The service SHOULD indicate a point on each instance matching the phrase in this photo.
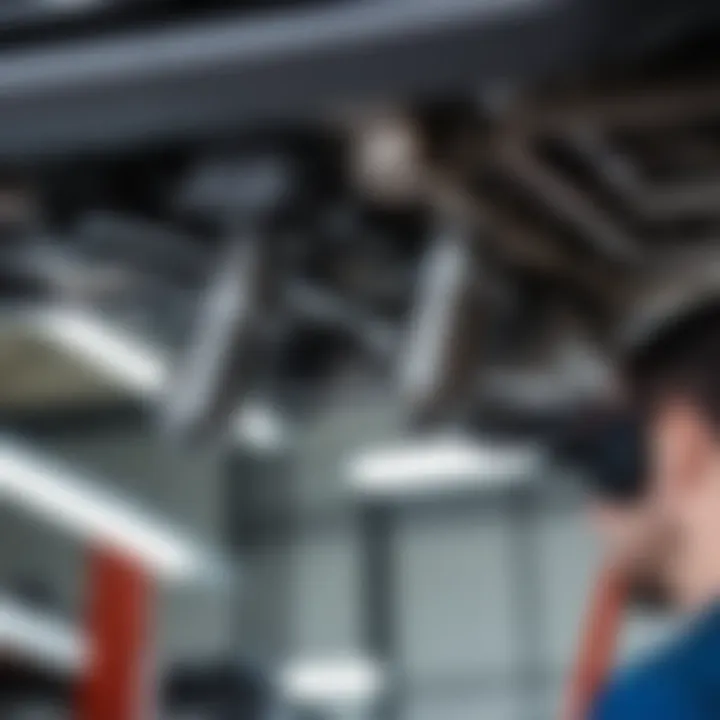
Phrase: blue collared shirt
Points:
(681, 682)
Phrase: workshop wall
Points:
(480, 598)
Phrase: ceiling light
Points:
(439, 464)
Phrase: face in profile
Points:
(685, 496)
(659, 541)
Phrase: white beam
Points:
(39, 638)
(440, 465)
(57, 494)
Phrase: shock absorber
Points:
(247, 199)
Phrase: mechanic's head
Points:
(657, 505)
(663, 529)
(675, 383)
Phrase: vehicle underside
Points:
(486, 186)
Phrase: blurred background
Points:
(295, 299)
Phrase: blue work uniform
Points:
(681, 682)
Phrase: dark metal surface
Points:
(76, 421)
(197, 81)
(225, 352)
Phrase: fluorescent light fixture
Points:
(37, 637)
(48, 489)
(141, 368)
(446, 463)
(330, 681)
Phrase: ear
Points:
(684, 447)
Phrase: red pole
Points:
(598, 643)
(115, 683)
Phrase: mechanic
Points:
(659, 514)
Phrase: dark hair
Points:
(682, 358)
(608, 450)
